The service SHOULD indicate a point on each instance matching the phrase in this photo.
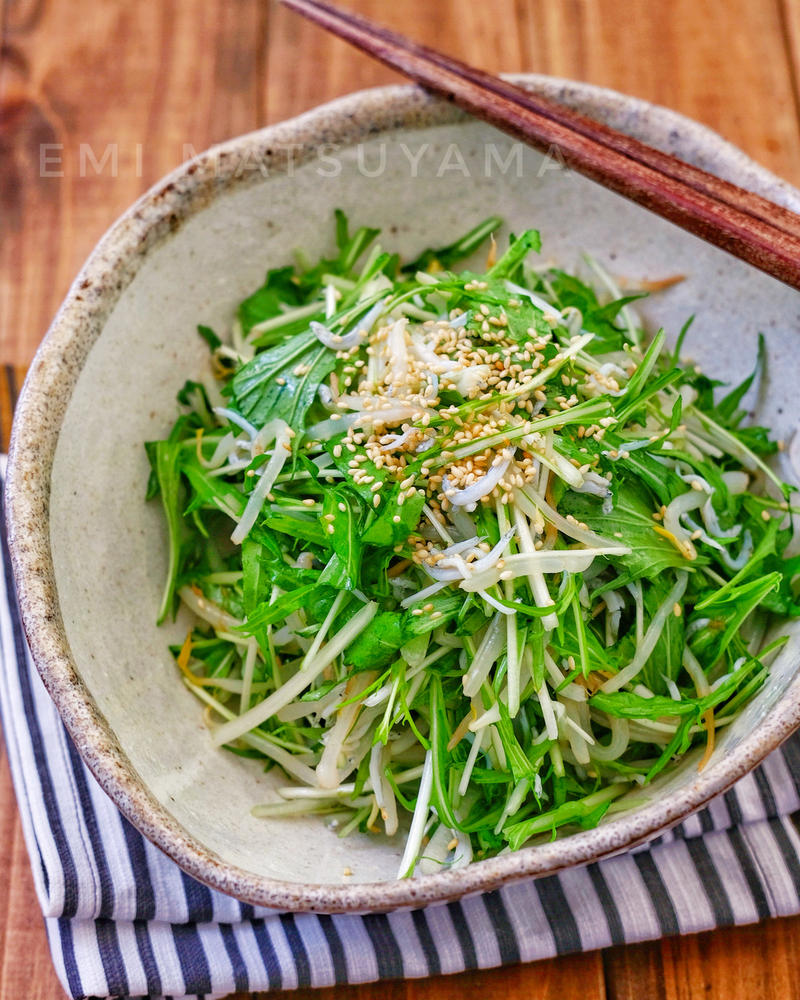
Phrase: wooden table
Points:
(99, 100)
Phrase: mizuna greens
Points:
(465, 548)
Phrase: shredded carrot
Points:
(594, 680)
(198, 442)
(491, 258)
(708, 718)
(651, 284)
(460, 731)
(399, 567)
(659, 285)
(682, 547)
(182, 658)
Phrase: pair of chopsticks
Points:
(748, 226)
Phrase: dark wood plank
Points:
(755, 961)
(634, 972)
(94, 110)
(723, 62)
(579, 978)
(25, 966)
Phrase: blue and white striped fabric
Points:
(124, 921)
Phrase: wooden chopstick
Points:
(747, 201)
(765, 235)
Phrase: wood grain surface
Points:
(99, 98)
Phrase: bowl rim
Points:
(43, 402)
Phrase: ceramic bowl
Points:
(89, 554)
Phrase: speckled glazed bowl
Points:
(89, 554)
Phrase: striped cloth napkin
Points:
(123, 920)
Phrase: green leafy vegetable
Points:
(470, 557)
